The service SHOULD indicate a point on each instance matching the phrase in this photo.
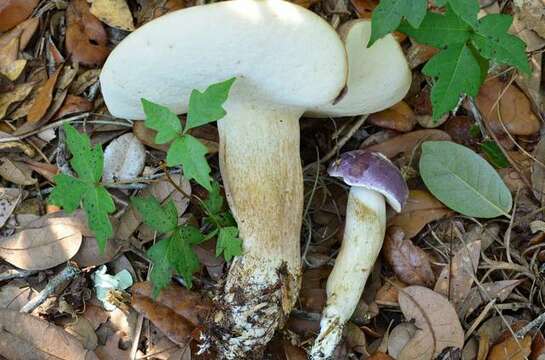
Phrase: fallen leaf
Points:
(161, 190)
(457, 276)
(82, 330)
(41, 248)
(13, 12)
(115, 13)
(24, 32)
(495, 327)
(355, 338)
(16, 172)
(151, 9)
(123, 159)
(89, 254)
(96, 315)
(538, 347)
(86, 39)
(512, 349)
(399, 337)
(20, 93)
(421, 209)
(514, 108)
(77, 219)
(48, 171)
(111, 350)
(532, 14)
(23, 336)
(388, 293)
(499, 290)
(538, 171)
(364, 8)
(10, 67)
(73, 105)
(43, 99)
(436, 320)
(418, 54)
(15, 294)
(380, 356)
(459, 129)
(407, 142)
(9, 199)
(410, 263)
(84, 81)
(399, 117)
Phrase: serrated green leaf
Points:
(190, 153)
(440, 3)
(68, 192)
(98, 203)
(458, 71)
(154, 215)
(86, 161)
(162, 120)
(388, 14)
(495, 43)
(171, 211)
(228, 243)
(466, 10)
(207, 106)
(439, 30)
(214, 201)
(162, 269)
(463, 180)
(494, 154)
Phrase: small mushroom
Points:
(286, 60)
(378, 76)
(373, 180)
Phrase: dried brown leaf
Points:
(82, 330)
(23, 32)
(24, 337)
(9, 198)
(43, 99)
(380, 356)
(16, 172)
(418, 54)
(10, 67)
(15, 295)
(399, 117)
(538, 347)
(407, 142)
(73, 105)
(13, 12)
(364, 8)
(436, 320)
(512, 349)
(86, 39)
(124, 159)
(494, 290)
(115, 13)
(19, 93)
(457, 276)
(388, 293)
(410, 263)
(111, 350)
(89, 253)
(41, 248)
(399, 337)
(422, 208)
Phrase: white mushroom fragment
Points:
(378, 76)
(373, 179)
(287, 60)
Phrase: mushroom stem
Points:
(262, 174)
(363, 236)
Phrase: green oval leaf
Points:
(463, 180)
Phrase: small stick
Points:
(67, 274)
(16, 274)
(534, 324)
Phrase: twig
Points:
(16, 274)
(67, 274)
(534, 324)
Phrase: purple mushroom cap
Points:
(372, 171)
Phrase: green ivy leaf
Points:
(162, 219)
(439, 30)
(191, 154)
(494, 154)
(214, 202)
(388, 14)
(207, 107)
(228, 243)
(69, 191)
(162, 120)
(463, 180)
(458, 70)
(495, 43)
(467, 10)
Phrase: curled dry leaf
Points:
(399, 337)
(115, 13)
(515, 110)
(410, 263)
(10, 67)
(512, 349)
(86, 39)
(499, 290)
(19, 93)
(23, 336)
(23, 32)
(161, 190)
(15, 295)
(73, 105)
(13, 12)
(9, 198)
(43, 99)
(407, 142)
(422, 208)
(16, 172)
(176, 311)
(399, 117)
(436, 320)
(123, 159)
(41, 248)
(457, 276)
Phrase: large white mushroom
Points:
(287, 60)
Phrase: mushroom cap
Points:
(281, 53)
(373, 171)
(378, 77)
